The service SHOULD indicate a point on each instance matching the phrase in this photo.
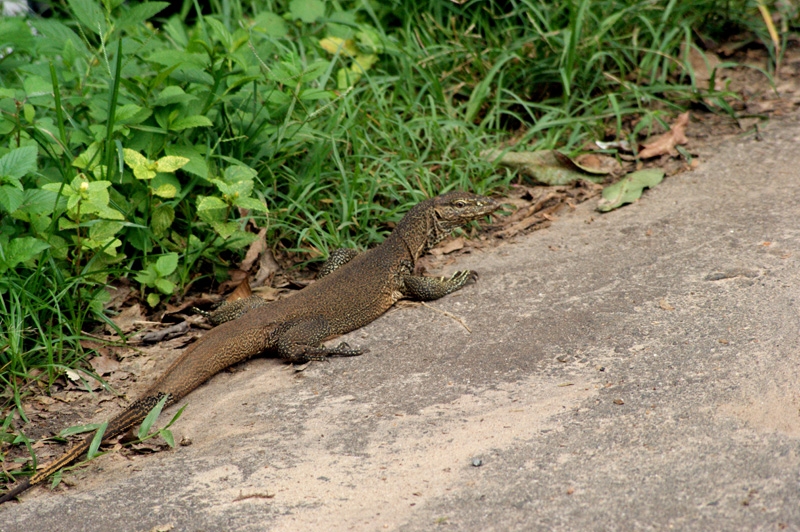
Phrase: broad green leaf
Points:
(187, 74)
(219, 31)
(144, 173)
(281, 98)
(314, 71)
(238, 189)
(142, 167)
(131, 114)
(170, 163)
(197, 162)
(237, 173)
(369, 40)
(165, 286)
(162, 179)
(250, 203)
(225, 229)
(161, 219)
(210, 203)
(57, 37)
(139, 13)
(134, 158)
(284, 72)
(173, 94)
(29, 112)
(107, 212)
(153, 299)
(146, 277)
(88, 159)
(88, 12)
(97, 440)
(10, 198)
(16, 163)
(166, 191)
(103, 229)
(629, 188)
(36, 86)
(166, 264)
(176, 57)
(14, 32)
(22, 250)
(125, 112)
(271, 24)
(307, 10)
(190, 122)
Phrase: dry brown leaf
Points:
(598, 163)
(267, 268)
(237, 277)
(129, 317)
(703, 64)
(104, 365)
(242, 292)
(255, 250)
(449, 247)
(665, 144)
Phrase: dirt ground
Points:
(490, 417)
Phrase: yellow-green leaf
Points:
(170, 163)
(134, 158)
(143, 172)
(334, 45)
(166, 191)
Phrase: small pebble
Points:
(477, 462)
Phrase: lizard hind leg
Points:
(300, 340)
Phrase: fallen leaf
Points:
(449, 247)
(665, 144)
(597, 164)
(629, 189)
(129, 317)
(254, 251)
(545, 166)
(665, 305)
(704, 64)
(104, 365)
(619, 402)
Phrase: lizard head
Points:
(455, 209)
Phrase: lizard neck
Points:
(419, 230)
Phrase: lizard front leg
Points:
(300, 340)
(430, 288)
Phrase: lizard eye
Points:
(460, 204)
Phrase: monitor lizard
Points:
(354, 289)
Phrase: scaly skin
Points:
(354, 290)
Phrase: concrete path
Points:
(638, 370)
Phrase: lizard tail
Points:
(128, 418)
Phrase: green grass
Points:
(266, 111)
